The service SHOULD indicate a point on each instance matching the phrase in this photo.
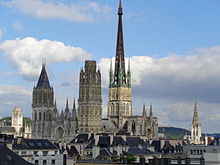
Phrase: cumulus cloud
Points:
(192, 76)
(11, 96)
(1, 33)
(27, 54)
(80, 12)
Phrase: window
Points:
(44, 162)
(35, 153)
(36, 162)
(53, 161)
(23, 152)
(45, 153)
(39, 144)
(31, 144)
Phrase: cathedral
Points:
(48, 123)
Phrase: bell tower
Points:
(42, 106)
(120, 99)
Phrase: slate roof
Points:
(82, 138)
(104, 141)
(43, 81)
(105, 152)
(31, 144)
(7, 129)
(167, 146)
(90, 145)
(10, 158)
(6, 138)
(139, 151)
(135, 141)
(156, 144)
(72, 151)
(117, 140)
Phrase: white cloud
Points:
(80, 12)
(1, 33)
(17, 25)
(195, 75)
(11, 96)
(27, 54)
(173, 83)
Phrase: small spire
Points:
(120, 81)
(110, 74)
(67, 107)
(144, 110)
(74, 109)
(110, 65)
(129, 65)
(55, 105)
(151, 110)
(196, 115)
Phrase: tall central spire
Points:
(119, 58)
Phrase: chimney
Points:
(96, 137)
(19, 140)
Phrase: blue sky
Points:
(173, 45)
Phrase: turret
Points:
(144, 114)
(110, 75)
(74, 110)
(67, 108)
(129, 74)
(196, 115)
(151, 110)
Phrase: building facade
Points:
(17, 120)
(90, 99)
(45, 115)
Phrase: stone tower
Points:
(17, 120)
(90, 100)
(196, 132)
(120, 103)
(42, 106)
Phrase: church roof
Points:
(7, 129)
(43, 81)
(10, 158)
(34, 144)
(135, 141)
(139, 151)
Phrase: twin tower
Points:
(49, 123)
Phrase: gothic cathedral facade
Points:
(64, 125)
(47, 122)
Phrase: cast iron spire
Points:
(119, 58)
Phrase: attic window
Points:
(31, 144)
(39, 144)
